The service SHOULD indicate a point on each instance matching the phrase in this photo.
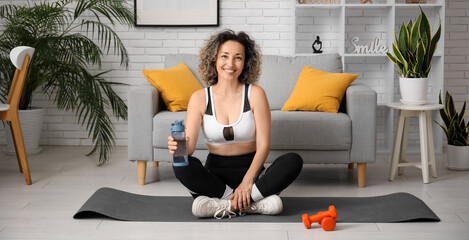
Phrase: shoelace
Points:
(224, 212)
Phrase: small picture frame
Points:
(176, 12)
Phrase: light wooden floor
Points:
(64, 178)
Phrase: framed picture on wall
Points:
(176, 12)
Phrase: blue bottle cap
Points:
(178, 126)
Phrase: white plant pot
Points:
(458, 157)
(31, 121)
(413, 90)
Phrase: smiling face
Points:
(230, 60)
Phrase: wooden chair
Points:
(20, 57)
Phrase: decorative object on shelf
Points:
(68, 45)
(415, 1)
(317, 45)
(412, 52)
(373, 47)
(457, 134)
(319, 1)
(365, 1)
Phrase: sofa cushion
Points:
(191, 61)
(279, 74)
(311, 131)
(317, 90)
(175, 85)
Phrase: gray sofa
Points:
(347, 137)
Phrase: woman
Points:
(234, 116)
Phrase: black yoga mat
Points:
(120, 205)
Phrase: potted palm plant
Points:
(69, 45)
(412, 52)
(457, 134)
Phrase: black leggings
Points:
(222, 171)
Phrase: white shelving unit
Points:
(337, 23)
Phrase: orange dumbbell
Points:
(326, 219)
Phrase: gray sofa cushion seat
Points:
(301, 130)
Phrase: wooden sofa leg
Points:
(361, 174)
(156, 164)
(142, 171)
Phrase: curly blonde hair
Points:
(208, 56)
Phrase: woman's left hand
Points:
(241, 197)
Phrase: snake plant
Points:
(70, 38)
(455, 128)
(413, 49)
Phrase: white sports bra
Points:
(242, 131)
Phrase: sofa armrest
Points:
(361, 108)
(144, 102)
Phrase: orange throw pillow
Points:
(175, 85)
(316, 90)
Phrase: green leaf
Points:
(433, 46)
(414, 36)
(7, 10)
(108, 38)
(420, 55)
(399, 56)
(462, 114)
(460, 139)
(403, 39)
(392, 58)
(409, 28)
(451, 109)
(424, 28)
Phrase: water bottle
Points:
(179, 134)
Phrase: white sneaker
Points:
(270, 205)
(212, 207)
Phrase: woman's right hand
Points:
(172, 145)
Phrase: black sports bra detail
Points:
(208, 110)
(247, 106)
(228, 133)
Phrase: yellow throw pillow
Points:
(316, 90)
(175, 85)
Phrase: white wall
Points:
(270, 22)
(457, 50)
